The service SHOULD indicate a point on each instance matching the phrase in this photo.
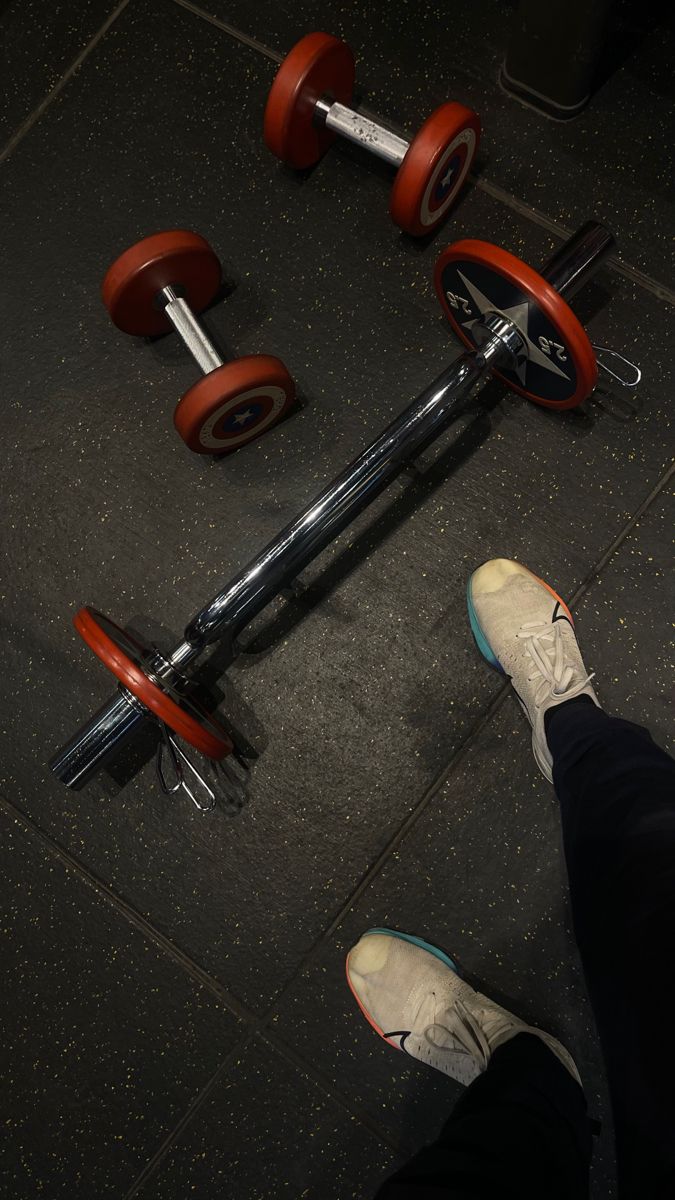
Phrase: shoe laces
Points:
(546, 648)
(462, 1033)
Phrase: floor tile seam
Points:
(34, 116)
(483, 720)
(593, 575)
(287, 1052)
(613, 263)
(634, 274)
(238, 34)
(166, 1145)
(198, 974)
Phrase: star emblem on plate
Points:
(519, 315)
(242, 417)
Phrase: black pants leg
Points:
(519, 1132)
(521, 1129)
(617, 797)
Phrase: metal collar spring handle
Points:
(620, 379)
(169, 748)
(187, 776)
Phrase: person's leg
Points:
(617, 796)
(520, 1131)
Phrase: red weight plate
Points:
(435, 166)
(474, 277)
(318, 65)
(178, 258)
(234, 404)
(89, 624)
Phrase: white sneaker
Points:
(411, 994)
(524, 629)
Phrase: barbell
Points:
(517, 324)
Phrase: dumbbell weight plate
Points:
(177, 258)
(234, 404)
(124, 655)
(318, 65)
(434, 168)
(474, 277)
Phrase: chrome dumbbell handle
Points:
(188, 328)
(362, 131)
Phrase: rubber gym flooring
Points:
(175, 1020)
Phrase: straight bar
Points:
(282, 559)
(336, 506)
(578, 258)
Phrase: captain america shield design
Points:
(557, 368)
(447, 178)
(241, 418)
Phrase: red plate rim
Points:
(440, 129)
(138, 260)
(555, 307)
(130, 674)
(288, 131)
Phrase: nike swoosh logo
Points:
(401, 1034)
(559, 615)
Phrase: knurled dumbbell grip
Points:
(188, 328)
(362, 131)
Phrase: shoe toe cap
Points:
(369, 955)
(494, 574)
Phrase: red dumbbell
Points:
(159, 284)
(309, 103)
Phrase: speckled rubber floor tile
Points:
(615, 157)
(38, 44)
(356, 695)
(105, 1041)
(268, 1131)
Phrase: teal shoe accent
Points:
(479, 637)
(417, 941)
